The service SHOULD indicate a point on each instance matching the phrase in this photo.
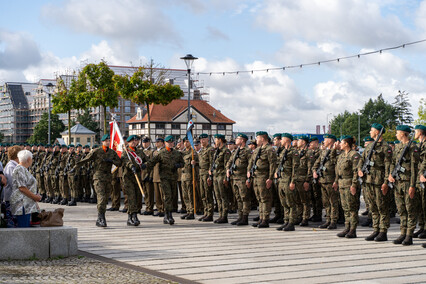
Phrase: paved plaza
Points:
(221, 253)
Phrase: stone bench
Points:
(38, 242)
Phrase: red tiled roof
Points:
(160, 113)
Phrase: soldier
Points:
(38, 172)
(45, 170)
(177, 190)
(147, 184)
(420, 134)
(84, 174)
(77, 175)
(316, 199)
(169, 161)
(90, 172)
(261, 169)
(72, 174)
(53, 175)
(369, 221)
(190, 158)
(236, 168)
(217, 170)
(103, 159)
(200, 206)
(158, 192)
(131, 169)
(63, 178)
(347, 183)
(233, 207)
(205, 160)
(405, 186)
(326, 163)
(278, 209)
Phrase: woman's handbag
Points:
(52, 219)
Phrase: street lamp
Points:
(49, 93)
(189, 60)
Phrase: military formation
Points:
(293, 178)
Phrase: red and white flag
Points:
(117, 141)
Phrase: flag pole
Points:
(193, 181)
(136, 176)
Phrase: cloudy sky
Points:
(39, 39)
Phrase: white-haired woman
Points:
(24, 197)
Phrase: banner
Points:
(189, 133)
(117, 140)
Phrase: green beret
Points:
(261, 133)
(196, 142)
(87, 146)
(64, 146)
(184, 139)
(159, 139)
(79, 145)
(169, 138)
(251, 142)
(421, 127)
(396, 142)
(146, 139)
(343, 137)
(105, 137)
(304, 137)
(242, 135)
(219, 136)
(378, 126)
(230, 142)
(313, 138)
(288, 135)
(203, 135)
(131, 138)
(95, 146)
(277, 135)
(390, 143)
(404, 128)
(331, 136)
(368, 139)
(71, 145)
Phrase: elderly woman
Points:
(23, 200)
(12, 154)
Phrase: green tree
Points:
(402, 107)
(40, 134)
(87, 121)
(390, 135)
(96, 88)
(379, 111)
(143, 88)
(421, 112)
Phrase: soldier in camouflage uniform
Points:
(72, 175)
(190, 158)
(420, 134)
(405, 186)
(314, 152)
(44, 170)
(147, 184)
(84, 174)
(159, 203)
(103, 159)
(263, 174)
(38, 172)
(205, 160)
(90, 172)
(347, 183)
(276, 203)
(169, 161)
(63, 179)
(330, 198)
(53, 176)
(422, 174)
(237, 165)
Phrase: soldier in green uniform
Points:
(159, 203)
(326, 162)
(72, 174)
(38, 171)
(53, 175)
(190, 158)
(77, 174)
(369, 221)
(205, 157)
(405, 185)
(316, 200)
(103, 159)
(44, 173)
(169, 161)
(220, 158)
(236, 167)
(347, 183)
(84, 174)
(261, 169)
(420, 134)
(278, 208)
(147, 178)
(63, 179)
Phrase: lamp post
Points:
(49, 93)
(189, 60)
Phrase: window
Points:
(72, 139)
(127, 117)
(221, 127)
(127, 103)
(142, 125)
(206, 127)
(88, 140)
(127, 109)
(175, 126)
(77, 140)
(160, 125)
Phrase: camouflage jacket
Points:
(381, 161)
(205, 158)
(102, 162)
(241, 163)
(266, 164)
(347, 169)
(329, 171)
(220, 158)
(409, 164)
(168, 162)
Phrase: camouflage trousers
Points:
(330, 201)
(40, 184)
(421, 205)
(283, 188)
(292, 199)
(158, 197)
(85, 185)
(48, 186)
(304, 207)
(242, 195)
(64, 187)
(378, 206)
(167, 187)
(264, 196)
(103, 190)
(148, 188)
(350, 204)
(54, 182)
(316, 199)
(407, 207)
(116, 192)
(133, 193)
(276, 201)
(206, 195)
(73, 183)
(222, 196)
(188, 195)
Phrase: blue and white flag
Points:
(189, 133)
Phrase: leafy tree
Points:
(390, 135)
(422, 112)
(87, 121)
(379, 111)
(96, 88)
(40, 134)
(402, 107)
(142, 88)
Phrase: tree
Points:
(40, 134)
(143, 88)
(87, 121)
(422, 112)
(379, 111)
(402, 107)
(390, 135)
(96, 88)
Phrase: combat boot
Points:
(289, 227)
(304, 223)
(408, 241)
(55, 200)
(372, 236)
(64, 202)
(223, 220)
(264, 224)
(183, 217)
(135, 219)
(244, 221)
(238, 220)
(343, 233)
(275, 219)
(217, 220)
(190, 217)
(367, 222)
(422, 235)
(424, 245)
(351, 234)
(43, 197)
(130, 221)
(101, 222)
(316, 218)
(202, 218)
(48, 200)
(417, 234)
(255, 225)
(256, 218)
(72, 202)
(399, 240)
(297, 221)
(325, 225)
(332, 226)
(170, 217)
(381, 237)
(280, 228)
(208, 218)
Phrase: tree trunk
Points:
(105, 120)
(69, 127)
(149, 121)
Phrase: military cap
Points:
(277, 135)
(261, 133)
(71, 145)
(404, 128)
(219, 136)
(159, 139)
(242, 135)
(105, 137)
(378, 126)
(421, 127)
(95, 146)
(196, 142)
(396, 142)
(288, 135)
(251, 142)
(368, 139)
(87, 146)
(184, 139)
(231, 142)
(48, 145)
(304, 137)
(313, 138)
(331, 136)
(131, 138)
(169, 138)
(64, 146)
(79, 145)
(146, 139)
(137, 137)
(124, 138)
(390, 142)
(343, 137)
(203, 135)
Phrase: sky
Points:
(42, 39)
